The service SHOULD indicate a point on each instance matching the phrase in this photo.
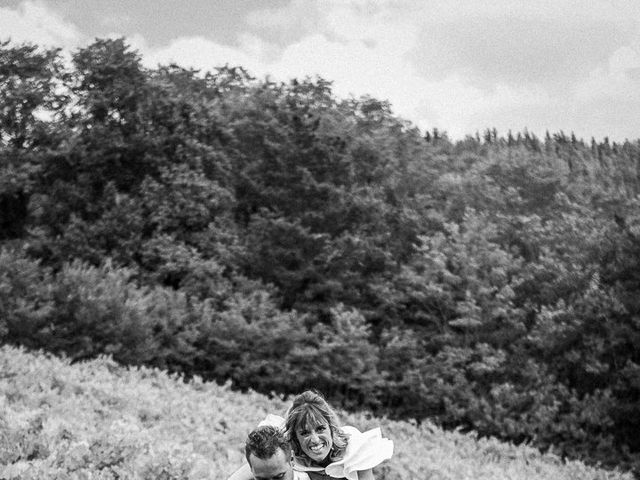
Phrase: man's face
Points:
(278, 467)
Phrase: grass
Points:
(98, 420)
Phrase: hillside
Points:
(99, 420)
(277, 236)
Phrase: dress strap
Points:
(322, 476)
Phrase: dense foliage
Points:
(270, 233)
(98, 420)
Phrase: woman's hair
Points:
(310, 409)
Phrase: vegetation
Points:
(96, 419)
(271, 234)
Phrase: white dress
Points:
(364, 451)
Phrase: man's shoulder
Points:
(300, 475)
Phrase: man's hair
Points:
(265, 441)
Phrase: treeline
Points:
(271, 233)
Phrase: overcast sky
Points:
(461, 66)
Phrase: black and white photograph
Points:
(319, 239)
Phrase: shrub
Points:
(26, 300)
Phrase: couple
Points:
(311, 445)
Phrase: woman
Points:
(321, 448)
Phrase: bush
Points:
(26, 300)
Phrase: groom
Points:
(269, 455)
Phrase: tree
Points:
(32, 94)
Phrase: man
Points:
(269, 455)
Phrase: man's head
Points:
(269, 454)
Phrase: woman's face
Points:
(315, 441)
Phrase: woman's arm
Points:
(365, 475)
(243, 473)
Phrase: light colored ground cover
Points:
(97, 420)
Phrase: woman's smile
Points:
(315, 441)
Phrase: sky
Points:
(458, 65)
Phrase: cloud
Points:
(468, 65)
(366, 49)
(361, 46)
(461, 65)
(456, 105)
(34, 22)
(285, 25)
(618, 80)
(514, 50)
(467, 77)
(201, 53)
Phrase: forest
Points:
(218, 225)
